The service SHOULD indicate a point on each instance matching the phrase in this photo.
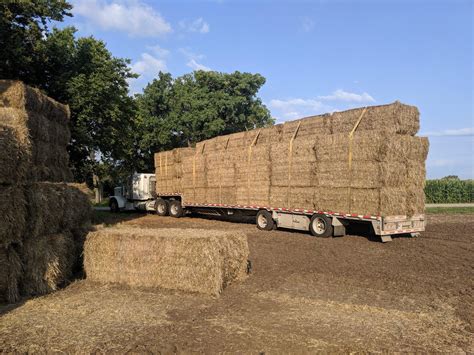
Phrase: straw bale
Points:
(13, 212)
(396, 117)
(416, 174)
(195, 195)
(15, 94)
(380, 145)
(363, 174)
(334, 199)
(308, 127)
(365, 201)
(415, 201)
(193, 260)
(48, 262)
(13, 159)
(254, 194)
(238, 140)
(223, 195)
(40, 143)
(10, 273)
(54, 207)
(393, 201)
(292, 197)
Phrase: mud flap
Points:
(339, 228)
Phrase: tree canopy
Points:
(198, 106)
(113, 133)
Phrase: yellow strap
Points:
(290, 162)
(219, 169)
(248, 164)
(351, 136)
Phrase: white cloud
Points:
(307, 24)
(299, 107)
(193, 59)
(159, 51)
(468, 131)
(197, 66)
(190, 54)
(149, 65)
(341, 95)
(130, 16)
(198, 25)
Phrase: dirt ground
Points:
(305, 294)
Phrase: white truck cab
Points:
(137, 194)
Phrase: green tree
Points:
(197, 106)
(23, 27)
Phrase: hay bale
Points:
(377, 145)
(362, 174)
(41, 145)
(396, 118)
(10, 273)
(387, 161)
(15, 94)
(14, 214)
(48, 262)
(194, 260)
(54, 207)
(13, 160)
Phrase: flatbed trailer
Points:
(318, 223)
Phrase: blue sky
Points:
(317, 56)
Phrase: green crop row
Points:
(449, 191)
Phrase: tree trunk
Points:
(96, 183)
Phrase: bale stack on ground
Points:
(364, 161)
(194, 260)
(42, 214)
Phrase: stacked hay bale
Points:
(42, 215)
(364, 161)
(195, 260)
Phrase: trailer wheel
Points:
(320, 226)
(176, 209)
(162, 207)
(114, 207)
(265, 221)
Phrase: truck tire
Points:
(114, 207)
(321, 226)
(264, 220)
(162, 207)
(176, 209)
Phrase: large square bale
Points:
(194, 260)
(48, 262)
(10, 274)
(54, 207)
(15, 94)
(396, 117)
(13, 158)
(13, 214)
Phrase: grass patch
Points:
(104, 203)
(449, 210)
(109, 218)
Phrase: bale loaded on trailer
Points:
(320, 174)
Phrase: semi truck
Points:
(139, 193)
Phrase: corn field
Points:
(449, 191)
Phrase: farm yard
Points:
(304, 294)
(193, 179)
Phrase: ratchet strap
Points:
(248, 163)
(290, 163)
(351, 136)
